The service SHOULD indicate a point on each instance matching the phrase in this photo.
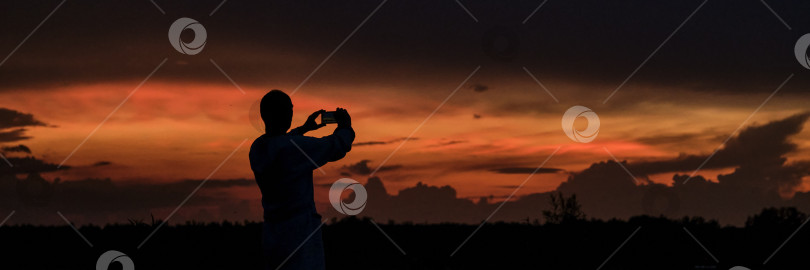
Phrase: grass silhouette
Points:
(356, 243)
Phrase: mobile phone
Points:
(328, 118)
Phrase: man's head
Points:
(276, 110)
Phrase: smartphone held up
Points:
(328, 117)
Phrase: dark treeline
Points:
(352, 243)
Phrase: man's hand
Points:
(342, 117)
(311, 124)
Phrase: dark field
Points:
(353, 243)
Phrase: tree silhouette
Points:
(777, 217)
(563, 209)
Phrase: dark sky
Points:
(726, 46)
(687, 75)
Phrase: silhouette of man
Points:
(282, 163)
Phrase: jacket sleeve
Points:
(299, 131)
(326, 149)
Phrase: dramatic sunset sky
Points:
(693, 88)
